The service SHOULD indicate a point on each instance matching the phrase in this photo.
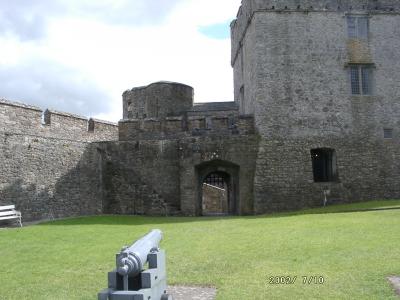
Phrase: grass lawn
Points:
(353, 251)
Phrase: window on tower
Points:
(361, 79)
(357, 27)
(324, 165)
(388, 133)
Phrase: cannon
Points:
(130, 280)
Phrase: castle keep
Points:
(315, 117)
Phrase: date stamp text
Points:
(306, 280)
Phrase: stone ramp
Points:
(192, 292)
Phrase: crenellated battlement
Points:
(250, 7)
(20, 118)
(165, 110)
(180, 127)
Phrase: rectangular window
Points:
(361, 79)
(355, 80)
(388, 133)
(365, 80)
(324, 165)
(357, 27)
(241, 99)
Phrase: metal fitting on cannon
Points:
(131, 260)
(128, 263)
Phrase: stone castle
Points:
(315, 119)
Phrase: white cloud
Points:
(118, 55)
(49, 85)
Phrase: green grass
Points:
(354, 252)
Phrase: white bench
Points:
(8, 212)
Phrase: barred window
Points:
(215, 179)
(357, 27)
(361, 79)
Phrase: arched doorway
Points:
(218, 188)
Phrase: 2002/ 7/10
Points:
(293, 279)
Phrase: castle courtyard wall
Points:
(50, 171)
(292, 94)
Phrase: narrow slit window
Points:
(208, 123)
(355, 81)
(46, 117)
(90, 125)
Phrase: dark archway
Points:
(218, 188)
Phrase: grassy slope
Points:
(354, 251)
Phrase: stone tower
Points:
(157, 100)
(322, 80)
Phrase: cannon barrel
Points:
(131, 260)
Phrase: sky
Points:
(79, 56)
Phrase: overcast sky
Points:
(80, 55)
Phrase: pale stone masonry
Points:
(315, 117)
(292, 65)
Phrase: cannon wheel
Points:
(166, 297)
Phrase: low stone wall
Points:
(49, 178)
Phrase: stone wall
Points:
(180, 127)
(49, 178)
(157, 100)
(141, 177)
(30, 120)
(50, 170)
(297, 67)
(367, 170)
(214, 109)
(249, 7)
(159, 176)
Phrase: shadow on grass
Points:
(129, 220)
(146, 220)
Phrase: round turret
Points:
(157, 100)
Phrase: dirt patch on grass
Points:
(395, 281)
(192, 292)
